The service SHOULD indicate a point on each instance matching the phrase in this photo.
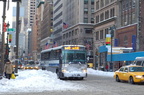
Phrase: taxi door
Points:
(125, 74)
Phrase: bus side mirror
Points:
(87, 59)
(60, 56)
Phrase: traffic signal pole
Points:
(17, 37)
(3, 38)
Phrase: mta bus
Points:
(68, 61)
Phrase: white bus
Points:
(68, 61)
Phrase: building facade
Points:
(141, 27)
(31, 12)
(57, 20)
(105, 14)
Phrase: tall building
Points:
(127, 28)
(31, 12)
(72, 22)
(105, 14)
(39, 13)
(140, 25)
(57, 20)
(47, 24)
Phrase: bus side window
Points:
(142, 63)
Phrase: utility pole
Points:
(112, 29)
(17, 36)
(3, 38)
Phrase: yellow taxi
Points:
(131, 73)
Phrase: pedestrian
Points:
(8, 69)
(107, 67)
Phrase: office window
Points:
(97, 19)
(97, 5)
(102, 3)
(85, 20)
(92, 20)
(92, 2)
(106, 32)
(106, 14)
(92, 10)
(97, 35)
(112, 12)
(106, 2)
(102, 17)
(101, 34)
(85, 10)
(85, 1)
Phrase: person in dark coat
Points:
(8, 69)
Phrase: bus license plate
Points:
(76, 75)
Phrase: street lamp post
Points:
(3, 38)
(17, 37)
(17, 34)
(112, 35)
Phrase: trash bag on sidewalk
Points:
(13, 76)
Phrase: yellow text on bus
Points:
(72, 48)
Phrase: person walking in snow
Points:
(8, 69)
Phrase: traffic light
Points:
(4, 27)
(10, 38)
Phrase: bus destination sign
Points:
(72, 48)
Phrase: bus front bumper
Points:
(73, 74)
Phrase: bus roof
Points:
(59, 47)
(139, 59)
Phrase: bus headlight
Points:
(84, 70)
(64, 70)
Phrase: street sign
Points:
(10, 29)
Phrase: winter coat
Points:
(8, 68)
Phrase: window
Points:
(102, 17)
(92, 20)
(133, 3)
(85, 1)
(97, 5)
(66, 35)
(97, 19)
(106, 2)
(85, 20)
(126, 70)
(85, 10)
(101, 34)
(121, 70)
(97, 35)
(102, 3)
(112, 12)
(125, 40)
(92, 10)
(92, 2)
(106, 32)
(88, 31)
(106, 14)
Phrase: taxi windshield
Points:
(136, 69)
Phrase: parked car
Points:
(131, 73)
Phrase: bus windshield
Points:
(74, 57)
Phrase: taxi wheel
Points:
(131, 80)
(117, 79)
